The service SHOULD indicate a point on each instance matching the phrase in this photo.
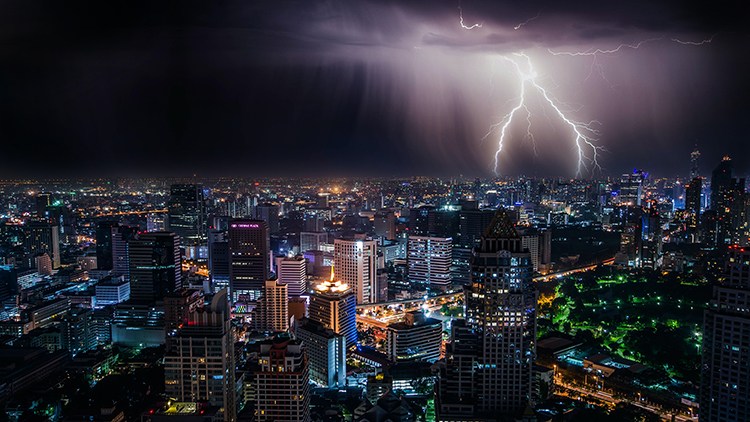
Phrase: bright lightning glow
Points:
(461, 19)
(526, 22)
(596, 51)
(585, 133)
(701, 42)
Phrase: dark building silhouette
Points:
(155, 266)
(104, 244)
(725, 378)
(187, 213)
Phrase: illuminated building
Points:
(631, 188)
(283, 382)
(270, 214)
(155, 266)
(725, 377)
(156, 222)
(429, 260)
(501, 317)
(43, 264)
(272, 312)
(200, 365)
(312, 241)
(651, 238)
(187, 214)
(333, 304)
(693, 201)
(326, 352)
(218, 259)
(249, 255)
(385, 224)
(292, 271)
(356, 265)
(472, 223)
(120, 236)
(112, 291)
(418, 338)
(43, 237)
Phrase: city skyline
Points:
(364, 88)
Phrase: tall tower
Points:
(501, 314)
(292, 271)
(272, 312)
(200, 365)
(155, 266)
(333, 304)
(725, 378)
(283, 382)
(249, 249)
(356, 265)
(429, 261)
(187, 213)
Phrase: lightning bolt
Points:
(526, 22)
(584, 133)
(701, 42)
(461, 19)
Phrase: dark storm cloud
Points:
(282, 87)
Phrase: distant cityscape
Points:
(415, 299)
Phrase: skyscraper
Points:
(326, 352)
(155, 266)
(272, 312)
(249, 250)
(501, 313)
(631, 188)
(104, 244)
(429, 260)
(693, 200)
(218, 259)
(292, 271)
(187, 214)
(200, 365)
(43, 237)
(356, 265)
(418, 338)
(725, 377)
(119, 238)
(333, 304)
(283, 382)
(270, 214)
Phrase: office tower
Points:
(78, 330)
(631, 188)
(155, 266)
(41, 202)
(270, 214)
(385, 224)
(104, 244)
(725, 377)
(456, 387)
(728, 203)
(249, 254)
(418, 338)
(334, 305)
(283, 381)
(419, 220)
(178, 306)
(292, 271)
(693, 200)
(200, 365)
(472, 223)
(429, 260)
(218, 259)
(187, 214)
(651, 238)
(356, 266)
(721, 182)
(326, 353)
(8, 282)
(43, 237)
(120, 236)
(272, 312)
(501, 314)
(156, 222)
(312, 241)
(313, 222)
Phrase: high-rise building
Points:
(179, 306)
(270, 214)
(112, 291)
(631, 188)
(187, 213)
(501, 314)
(104, 244)
(119, 238)
(728, 201)
(312, 241)
(693, 192)
(418, 338)
(356, 266)
(156, 222)
(155, 266)
(334, 305)
(272, 312)
(200, 364)
(385, 224)
(249, 255)
(43, 237)
(651, 238)
(218, 259)
(725, 378)
(429, 260)
(283, 381)
(326, 352)
(472, 223)
(292, 271)
(695, 163)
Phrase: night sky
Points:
(365, 87)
